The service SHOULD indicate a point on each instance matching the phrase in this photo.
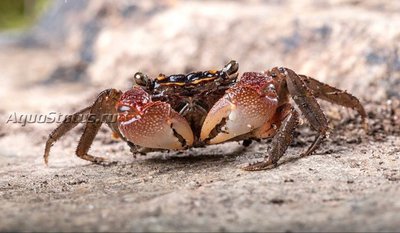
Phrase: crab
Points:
(182, 111)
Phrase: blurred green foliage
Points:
(20, 13)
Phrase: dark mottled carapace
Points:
(191, 95)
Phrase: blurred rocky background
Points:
(57, 55)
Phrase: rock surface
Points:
(78, 49)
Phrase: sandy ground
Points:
(352, 182)
(351, 185)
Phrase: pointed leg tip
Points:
(103, 161)
(46, 159)
(108, 163)
(365, 125)
(258, 166)
(99, 160)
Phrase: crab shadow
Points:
(195, 157)
(200, 157)
(216, 157)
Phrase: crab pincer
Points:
(244, 108)
(152, 124)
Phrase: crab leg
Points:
(69, 123)
(104, 104)
(280, 143)
(334, 95)
(308, 105)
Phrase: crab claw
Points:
(152, 124)
(244, 108)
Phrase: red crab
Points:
(182, 111)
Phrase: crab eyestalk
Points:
(231, 69)
(152, 124)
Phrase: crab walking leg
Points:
(69, 123)
(280, 143)
(103, 106)
(335, 96)
(308, 105)
(86, 140)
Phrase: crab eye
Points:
(123, 108)
(231, 68)
(141, 79)
(271, 87)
